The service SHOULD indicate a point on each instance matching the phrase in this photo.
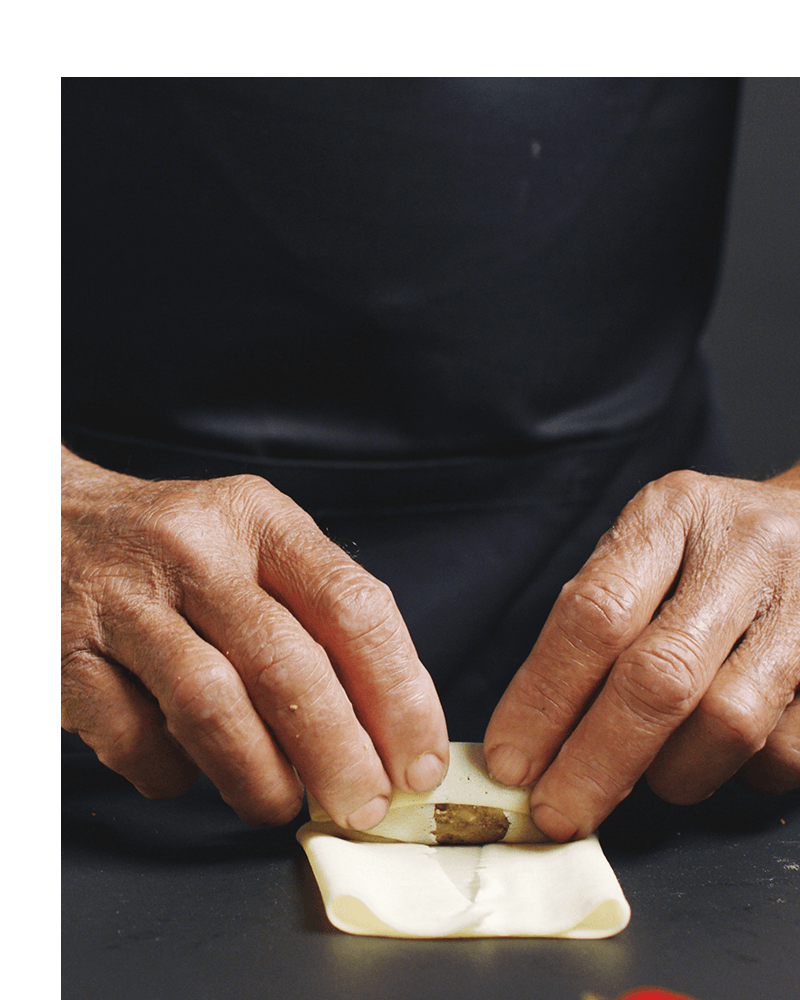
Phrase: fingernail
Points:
(369, 815)
(425, 773)
(553, 824)
(508, 765)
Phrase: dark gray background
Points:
(753, 336)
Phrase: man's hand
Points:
(211, 625)
(674, 652)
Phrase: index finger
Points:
(355, 619)
(597, 616)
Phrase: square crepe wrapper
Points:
(399, 880)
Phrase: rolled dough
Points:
(408, 877)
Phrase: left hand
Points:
(674, 652)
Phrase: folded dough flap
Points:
(423, 887)
(467, 808)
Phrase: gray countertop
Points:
(179, 899)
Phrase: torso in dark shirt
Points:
(386, 267)
(456, 320)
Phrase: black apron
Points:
(456, 320)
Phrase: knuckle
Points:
(247, 484)
(598, 613)
(127, 620)
(363, 606)
(283, 530)
(683, 494)
(199, 703)
(359, 608)
(772, 533)
(169, 534)
(258, 503)
(277, 662)
(685, 482)
(179, 528)
(661, 686)
(683, 487)
(739, 720)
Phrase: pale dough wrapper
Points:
(393, 881)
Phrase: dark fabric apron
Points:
(456, 320)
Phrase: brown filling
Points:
(463, 824)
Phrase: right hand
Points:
(211, 625)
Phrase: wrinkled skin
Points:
(675, 653)
(211, 626)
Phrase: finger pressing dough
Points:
(462, 861)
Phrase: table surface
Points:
(178, 899)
